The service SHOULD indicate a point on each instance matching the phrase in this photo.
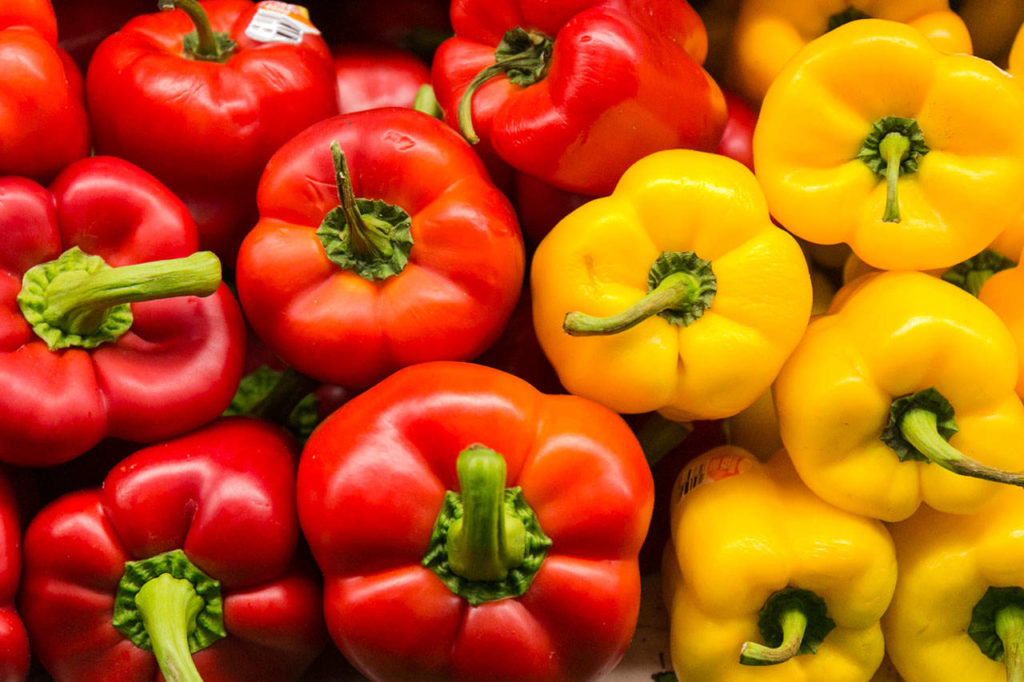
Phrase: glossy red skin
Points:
(371, 483)
(377, 76)
(14, 646)
(175, 369)
(206, 129)
(625, 81)
(43, 122)
(738, 137)
(451, 301)
(225, 494)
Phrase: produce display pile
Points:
(429, 340)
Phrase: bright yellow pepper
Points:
(903, 393)
(958, 610)
(872, 137)
(769, 32)
(1003, 292)
(752, 549)
(676, 293)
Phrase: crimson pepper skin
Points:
(448, 301)
(206, 128)
(738, 137)
(14, 646)
(174, 369)
(373, 478)
(43, 123)
(376, 76)
(624, 79)
(225, 494)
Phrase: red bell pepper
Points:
(426, 265)
(189, 546)
(574, 92)
(194, 100)
(738, 137)
(43, 125)
(14, 646)
(376, 76)
(101, 350)
(471, 528)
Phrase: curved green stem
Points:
(794, 625)
(678, 290)
(362, 245)
(207, 47)
(168, 607)
(893, 148)
(486, 542)
(920, 428)
(1010, 628)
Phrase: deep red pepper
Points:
(173, 367)
(574, 92)
(410, 593)
(203, 124)
(433, 272)
(43, 123)
(225, 496)
(376, 76)
(738, 137)
(14, 645)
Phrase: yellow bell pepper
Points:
(992, 24)
(958, 610)
(1002, 292)
(766, 582)
(769, 32)
(872, 137)
(903, 393)
(676, 293)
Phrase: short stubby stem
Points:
(203, 44)
(78, 300)
(794, 625)
(523, 56)
(168, 607)
(426, 102)
(893, 149)
(1010, 629)
(681, 286)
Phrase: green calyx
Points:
(792, 621)
(371, 238)
(286, 398)
(487, 543)
(203, 44)
(997, 627)
(892, 149)
(680, 287)
(919, 428)
(972, 274)
(78, 301)
(522, 56)
(846, 16)
(166, 605)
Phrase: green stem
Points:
(893, 148)
(794, 625)
(288, 392)
(485, 543)
(168, 607)
(363, 246)
(425, 102)
(1010, 628)
(207, 47)
(919, 428)
(77, 301)
(678, 290)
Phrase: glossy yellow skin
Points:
(1004, 294)
(885, 336)
(737, 540)
(596, 261)
(946, 565)
(820, 110)
(769, 32)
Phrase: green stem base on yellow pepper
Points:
(792, 621)
(166, 605)
(971, 274)
(892, 149)
(920, 426)
(370, 237)
(78, 301)
(487, 543)
(997, 627)
(523, 56)
(203, 44)
(680, 287)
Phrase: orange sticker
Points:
(709, 470)
(280, 22)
